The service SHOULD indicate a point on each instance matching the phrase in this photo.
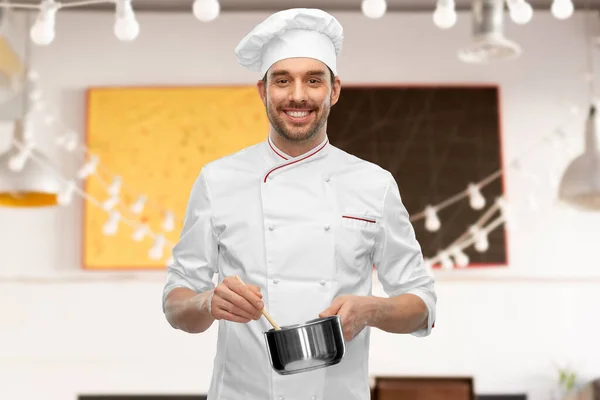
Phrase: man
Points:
(301, 223)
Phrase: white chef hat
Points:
(298, 32)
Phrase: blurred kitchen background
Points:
(484, 110)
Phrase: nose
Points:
(298, 92)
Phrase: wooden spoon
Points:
(264, 311)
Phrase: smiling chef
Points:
(301, 223)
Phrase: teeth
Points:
(297, 114)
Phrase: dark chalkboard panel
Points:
(435, 140)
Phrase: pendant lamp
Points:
(25, 179)
(488, 42)
(580, 183)
(28, 183)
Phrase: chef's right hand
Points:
(235, 301)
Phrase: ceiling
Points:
(330, 5)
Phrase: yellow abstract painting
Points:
(157, 140)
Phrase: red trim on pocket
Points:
(359, 219)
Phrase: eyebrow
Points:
(283, 72)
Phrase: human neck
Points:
(294, 149)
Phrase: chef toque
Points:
(297, 32)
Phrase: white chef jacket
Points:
(304, 229)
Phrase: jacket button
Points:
(280, 398)
(313, 397)
(322, 282)
(327, 179)
(271, 227)
(275, 281)
(327, 227)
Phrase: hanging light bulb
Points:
(17, 161)
(507, 216)
(66, 196)
(481, 239)
(476, 199)
(68, 141)
(562, 9)
(42, 32)
(115, 187)
(138, 206)
(521, 11)
(169, 222)
(156, 252)
(432, 222)
(140, 232)
(374, 9)
(126, 27)
(111, 202)
(112, 224)
(444, 16)
(445, 260)
(88, 168)
(206, 10)
(460, 258)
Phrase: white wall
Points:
(63, 332)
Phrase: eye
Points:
(313, 81)
(282, 81)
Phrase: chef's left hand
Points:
(354, 311)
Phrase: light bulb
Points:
(445, 260)
(126, 29)
(66, 196)
(521, 13)
(562, 9)
(156, 252)
(432, 222)
(206, 10)
(140, 232)
(476, 200)
(374, 8)
(168, 223)
(111, 226)
(460, 258)
(481, 239)
(138, 206)
(115, 187)
(110, 203)
(482, 244)
(42, 33)
(444, 17)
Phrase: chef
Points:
(301, 223)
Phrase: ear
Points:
(335, 90)
(262, 91)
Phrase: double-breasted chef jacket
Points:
(304, 229)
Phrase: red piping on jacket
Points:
(359, 219)
(276, 152)
(295, 161)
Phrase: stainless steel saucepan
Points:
(293, 349)
(304, 347)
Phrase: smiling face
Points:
(298, 94)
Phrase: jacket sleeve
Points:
(398, 258)
(195, 254)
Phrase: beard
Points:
(297, 132)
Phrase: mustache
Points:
(298, 106)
